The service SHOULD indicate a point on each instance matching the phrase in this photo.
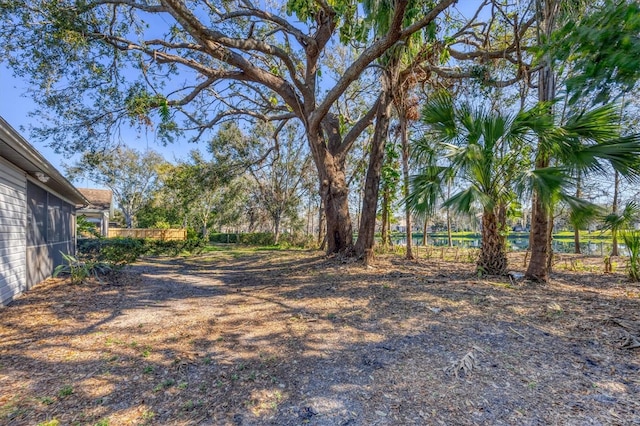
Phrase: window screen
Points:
(49, 218)
(36, 215)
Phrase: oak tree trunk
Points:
(334, 193)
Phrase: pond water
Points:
(595, 247)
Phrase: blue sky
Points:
(15, 107)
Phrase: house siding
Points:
(13, 216)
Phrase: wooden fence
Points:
(153, 234)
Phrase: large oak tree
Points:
(96, 65)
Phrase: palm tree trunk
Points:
(614, 209)
(449, 239)
(424, 231)
(549, 243)
(576, 228)
(384, 231)
(538, 269)
(367, 226)
(405, 176)
(493, 254)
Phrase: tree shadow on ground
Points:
(289, 339)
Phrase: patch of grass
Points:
(45, 400)
(53, 422)
(112, 341)
(147, 417)
(165, 384)
(66, 390)
(190, 405)
(207, 360)
(554, 310)
(145, 352)
(212, 248)
(102, 422)
(183, 385)
(148, 369)
(499, 284)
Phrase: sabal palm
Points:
(491, 154)
(588, 143)
(487, 152)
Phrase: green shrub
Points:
(263, 239)
(115, 251)
(80, 270)
(632, 241)
(174, 248)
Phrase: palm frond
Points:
(598, 124)
(439, 115)
(426, 189)
(462, 202)
(581, 212)
(548, 183)
(622, 219)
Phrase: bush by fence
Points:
(147, 233)
(121, 251)
(262, 239)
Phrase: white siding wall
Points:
(13, 231)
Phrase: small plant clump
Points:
(632, 241)
(79, 270)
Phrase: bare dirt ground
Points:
(293, 338)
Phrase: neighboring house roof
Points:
(99, 199)
(16, 149)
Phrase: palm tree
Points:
(621, 220)
(489, 153)
(589, 142)
(492, 156)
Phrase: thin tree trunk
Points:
(449, 237)
(424, 232)
(276, 232)
(614, 210)
(549, 243)
(321, 227)
(538, 269)
(366, 231)
(404, 138)
(576, 228)
(384, 231)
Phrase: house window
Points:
(49, 218)
(54, 216)
(36, 215)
